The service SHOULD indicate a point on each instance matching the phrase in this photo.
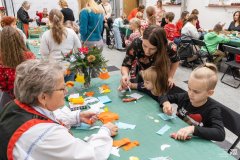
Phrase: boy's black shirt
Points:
(207, 119)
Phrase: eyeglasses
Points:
(61, 89)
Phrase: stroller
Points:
(185, 51)
(110, 35)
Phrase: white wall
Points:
(208, 16)
(175, 9)
(38, 5)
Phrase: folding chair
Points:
(200, 43)
(231, 121)
(232, 65)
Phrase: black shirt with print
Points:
(207, 118)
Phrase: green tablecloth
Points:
(34, 49)
(145, 132)
(235, 42)
(33, 34)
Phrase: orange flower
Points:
(67, 72)
(91, 58)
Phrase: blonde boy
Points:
(196, 108)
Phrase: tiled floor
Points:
(223, 93)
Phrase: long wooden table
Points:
(140, 114)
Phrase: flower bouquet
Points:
(86, 63)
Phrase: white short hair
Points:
(34, 77)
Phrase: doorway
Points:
(129, 5)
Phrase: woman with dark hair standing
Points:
(13, 52)
(153, 49)
(23, 17)
(235, 24)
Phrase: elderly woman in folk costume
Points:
(40, 129)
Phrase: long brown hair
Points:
(238, 17)
(150, 11)
(12, 47)
(58, 29)
(157, 37)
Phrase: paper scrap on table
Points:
(76, 95)
(94, 127)
(136, 95)
(133, 158)
(86, 138)
(164, 146)
(163, 129)
(97, 105)
(150, 117)
(122, 125)
(166, 117)
(91, 100)
(85, 126)
(161, 158)
(104, 99)
(115, 151)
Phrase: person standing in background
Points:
(67, 12)
(23, 17)
(160, 12)
(107, 15)
(91, 18)
(133, 13)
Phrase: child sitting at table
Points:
(135, 25)
(151, 83)
(196, 108)
(212, 40)
(170, 28)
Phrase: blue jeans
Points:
(117, 38)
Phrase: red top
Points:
(7, 75)
(179, 26)
(132, 14)
(198, 24)
(40, 15)
(171, 31)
